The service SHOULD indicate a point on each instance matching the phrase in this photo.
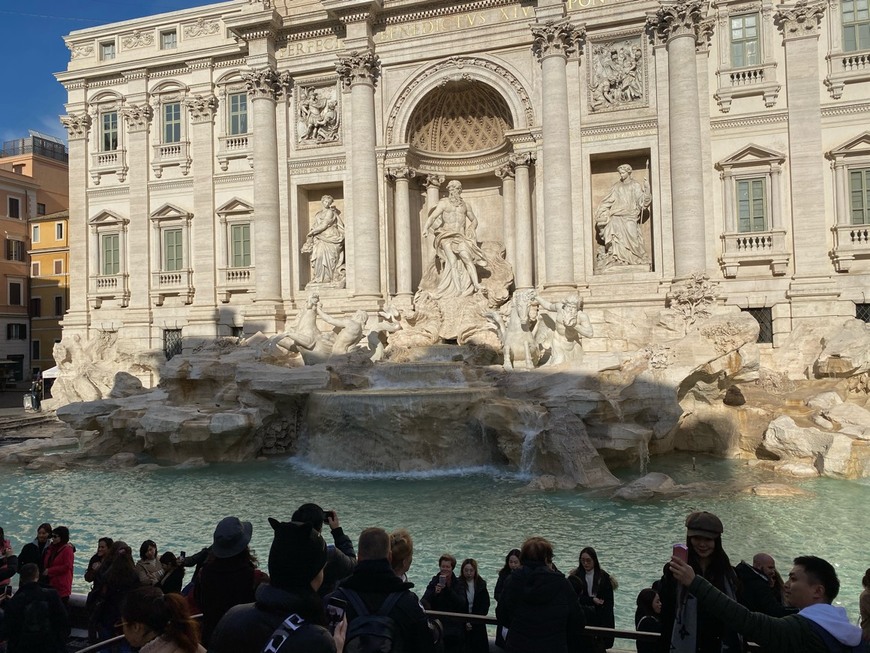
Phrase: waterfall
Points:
(530, 434)
(643, 455)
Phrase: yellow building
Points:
(34, 184)
(49, 285)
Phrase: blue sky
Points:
(33, 44)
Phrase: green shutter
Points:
(173, 254)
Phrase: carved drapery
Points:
(801, 20)
(555, 38)
(137, 116)
(202, 107)
(318, 115)
(76, 125)
(266, 84)
(359, 68)
(681, 18)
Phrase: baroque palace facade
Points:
(202, 143)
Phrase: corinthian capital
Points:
(138, 116)
(359, 68)
(265, 84)
(434, 181)
(680, 18)
(400, 172)
(202, 107)
(505, 172)
(76, 124)
(555, 38)
(801, 20)
(521, 159)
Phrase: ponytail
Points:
(165, 614)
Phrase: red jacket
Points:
(58, 560)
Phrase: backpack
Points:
(37, 634)
(372, 633)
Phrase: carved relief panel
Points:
(617, 67)
(318, 115)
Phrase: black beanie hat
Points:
(297, 555)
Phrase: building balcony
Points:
(107, 163)
(108, 287)
(851, 242)
(234, 147)
(171, 154)
(746, 82)
(846, 68)
(234, 280)
(177, 283)
(755, 248)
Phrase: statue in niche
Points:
(617, 74)
(318, 117)
(618, 220)
(325, 246)
(560, 328)
(454, 225)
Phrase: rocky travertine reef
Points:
(700, 387)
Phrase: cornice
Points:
(243, 177)
(750, 121)
(117, 191)
(180, 184)
(620, 128)
(438, 9)
(845, 109)
(317, 164)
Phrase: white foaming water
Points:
(452, 472)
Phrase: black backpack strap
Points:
(389, 603)
(355, 601)
(283, 632)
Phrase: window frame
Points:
(237, 114)
(232, 254)
(108, 131)
(59, 231)
(40, 208)
(57, 267)
(36, 307)
(858, 37)
(13, 201)
(34, 233)
(35, 269)
(19, 283)
(164, 34)
(757, 181)
(110, 266)
(108, 50)
(16, 250)
(864, 172)
(171, 126)
(744, 41)
(59, 305)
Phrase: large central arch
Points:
(468, 69)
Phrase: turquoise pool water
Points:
(479, 513)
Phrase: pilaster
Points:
(523, 271)
(507, 174)
(402, 206)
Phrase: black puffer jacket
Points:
(540, 611)
(246, 628)
(374, 580)
(757, 594)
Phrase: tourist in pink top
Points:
(58, 562)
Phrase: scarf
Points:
(684, 637)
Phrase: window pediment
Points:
(170, 212)
(859, 145)
(107, 219)
(751, 155)
(234, 207)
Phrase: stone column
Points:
(264, 86)
(553, 42)
(524, 270)
(678, 23)
(137, 272)
(775, 196)
(509, 211)
(402, 206)
(433, 196)
(78, 234)
(359, 72)
(800, 29)
(203, 314)
(730, 214)
(841, 183)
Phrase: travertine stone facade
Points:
(202, 142)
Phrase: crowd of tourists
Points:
(319, 598)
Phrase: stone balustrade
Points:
(851, 241)
(237, 146)
(755, 248)
(106, 163)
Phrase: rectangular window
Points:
(58, 305)
(35, 307)
(58, 230)
(764, 317)
(744, 40)
(14, 208)
(241, 245)
(172, 342)
(107, 51)
(35, 350)
(862, 312)
(168, 40)
(238, 113)
(173, 258)
(14, 250)
(859, 195)
(16, 332)
(856, 25)
(110, 131)
(751, 205)
(34, 233)
(111, 255)
(40, 208)
(34, 269)
(16, 294)
(58, 266)
(172, 122)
